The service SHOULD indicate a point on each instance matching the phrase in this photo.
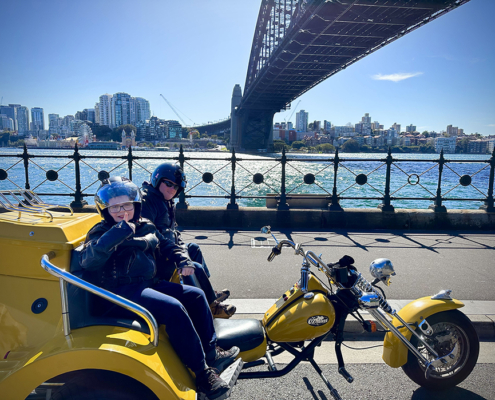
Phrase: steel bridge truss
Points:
(300, 43)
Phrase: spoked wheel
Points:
(453, 333)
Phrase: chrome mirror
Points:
(382, 269)
(266, 229)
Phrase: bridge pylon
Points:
(250, 129)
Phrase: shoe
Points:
(222, 295)
(219, 310)
(210, 383)
(223, 358)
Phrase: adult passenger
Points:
(167, 182)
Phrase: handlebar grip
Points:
(50, 255)
(275, 252)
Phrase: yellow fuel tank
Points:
(294, 318)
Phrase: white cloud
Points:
(491, 125)
(396, 77)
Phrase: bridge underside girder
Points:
(323, 38)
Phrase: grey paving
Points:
(425, 262)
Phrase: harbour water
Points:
(412, 175)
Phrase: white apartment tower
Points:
(105, 110)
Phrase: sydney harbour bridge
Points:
(299, 43)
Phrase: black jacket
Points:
(160, 212)
(116, 255)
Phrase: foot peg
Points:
(347, 376)
(230, 376)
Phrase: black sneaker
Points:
(223, 358)
(222, 295)
(210, 383)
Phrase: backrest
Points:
(87, 309)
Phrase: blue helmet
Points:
(171, 172)
(116, 186)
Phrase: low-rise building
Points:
(447, 144)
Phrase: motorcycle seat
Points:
(246, 334)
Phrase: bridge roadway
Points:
(425, 262)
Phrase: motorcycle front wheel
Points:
(449, 328)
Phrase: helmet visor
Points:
(117, 193)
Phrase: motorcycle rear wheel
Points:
(449, 328)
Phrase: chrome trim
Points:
(66, 277)
(375, 312)
(369, 300)
(443, 295)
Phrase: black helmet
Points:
(170, 172)
(116, 186)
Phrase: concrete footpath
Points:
(425, 263)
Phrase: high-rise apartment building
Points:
(143, 109)
(53, 123)
(396, 126)
(22, 120)
(10, 111)
(105, 110)
(302, 121)
(411, 128)
(37, 119)
(327, 125)
(121, 109)
(90, 114)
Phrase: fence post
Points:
(78, 198)
(437, 205)
(335, 205)
(182, 204)
(386, 206)
(129, 162)
(489, 203)
(25, 156)
(282, 204)
(233, 205)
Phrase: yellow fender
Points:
(116, 349)
(394, 351)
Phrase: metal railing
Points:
(433, 175)
(66, 277)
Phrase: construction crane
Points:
(176, 113)
(293, 111)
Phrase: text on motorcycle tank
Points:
(317, 320)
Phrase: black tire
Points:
(449, 328)
(104, 385)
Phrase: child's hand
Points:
(126, 219)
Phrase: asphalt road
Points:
(372, 382)
(424, 262)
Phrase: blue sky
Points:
(62, 55)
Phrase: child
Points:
(167, 181)
(119, 255)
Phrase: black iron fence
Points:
(390, 180)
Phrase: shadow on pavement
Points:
(455, 393)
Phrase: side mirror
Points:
(266, 229)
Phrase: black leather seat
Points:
(87, 309)
(246, 334)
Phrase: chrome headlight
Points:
(382, 269)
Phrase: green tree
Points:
(195, 134)
(425, 134)
(211, 145)
(278, 145)
(325, 148)
(117, 132)
(462, 145)
(298, 144)
(350, 146)
(214, 137)
(196, 145)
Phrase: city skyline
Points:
(438, 75)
